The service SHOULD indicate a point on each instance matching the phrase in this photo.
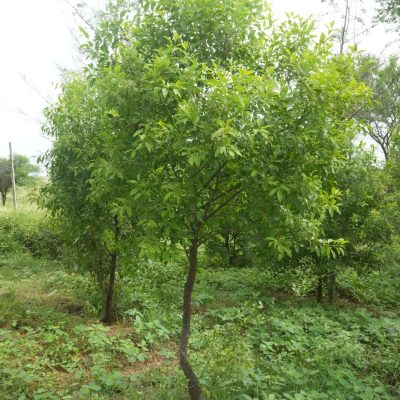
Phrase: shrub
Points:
(24, 231)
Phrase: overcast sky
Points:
(36, 41)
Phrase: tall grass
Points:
(27, 229)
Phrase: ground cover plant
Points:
(248, 341)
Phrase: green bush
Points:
(380, 287)
(23, 231)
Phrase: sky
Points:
(37, 42)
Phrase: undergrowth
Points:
(248, 341)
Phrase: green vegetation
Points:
(25, 174)
(192, 132)
(389, 12)
(250, 339)
(209, 227)
(28, 229)
(256, 333)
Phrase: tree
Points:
(251, 128)
(94, 223)
(184, 128)
(5, 179)
(352, 16)
(383, 117)
(25, 172)
(363, 222)
(389, 12)
(391, 172)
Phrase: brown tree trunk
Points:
(227, 242)
(109, 310)
(319, 290)
(193, 382)
(228, 248)
(332, 284)
(3, 198)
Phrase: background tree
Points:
(389, 12)
(353, 24)
(5, 179)
(94, 224)
(383, 117)
(364, 221)
(25, 174)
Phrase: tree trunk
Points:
(385, 150)
(193, 382)
(3, 198)
(232, 257)
(227, 242)
(319, 290)
(109, 311)
(228, 248)
(332, 284)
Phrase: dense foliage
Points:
(27, 232)
(180, 133)
(208, 149)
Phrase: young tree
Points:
(95, 224)
(202, 111)
(215, 129)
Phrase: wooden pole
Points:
(13, 177)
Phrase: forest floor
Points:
(249, 341)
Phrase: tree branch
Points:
(221, 206)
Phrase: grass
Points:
(27, 229)
(245, 344)
(25, 199)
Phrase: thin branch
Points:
(362, 32)
(345, 26)
(35, 89)
(215, 174)
(207, 237)
(214, 198)
(221, 206)
(36, 120)
(80, 15)
(376, 97)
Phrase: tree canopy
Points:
(389, 12)
(192, 114)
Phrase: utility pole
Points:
(13, 177)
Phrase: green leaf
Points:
(83, 31)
